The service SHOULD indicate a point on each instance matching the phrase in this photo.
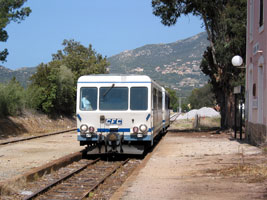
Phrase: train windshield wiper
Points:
(108, 90)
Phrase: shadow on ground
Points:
(215, 129)
(32, 124)
(10, 128)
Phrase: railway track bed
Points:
(79, 185)
(16, 140)
(21, 157)
(24, 189)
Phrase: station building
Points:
(256, 72)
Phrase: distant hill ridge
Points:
(22, 74)
(175, 65)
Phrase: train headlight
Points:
(143, 128)
(83, 128)
(91, 129)
(135, 129)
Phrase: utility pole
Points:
(180, 104)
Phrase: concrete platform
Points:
(185, 166)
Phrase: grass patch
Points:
(183, 124)
(203, 124)
(209, 122)
(252, 173)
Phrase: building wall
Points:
(256, 72)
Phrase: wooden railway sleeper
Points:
(59, 181)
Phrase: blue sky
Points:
(110, 26)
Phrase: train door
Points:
(154, 109)
(160, 111)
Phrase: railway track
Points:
(35, 137)
(174, 117)
(77, 182)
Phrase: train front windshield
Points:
(114, 98)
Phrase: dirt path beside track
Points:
(18, 158)
(199, 165)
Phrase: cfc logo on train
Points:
(114, 121)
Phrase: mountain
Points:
(22, 74)
(175, 65)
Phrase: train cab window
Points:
(88, 99)
(138, 98)
(113, 98)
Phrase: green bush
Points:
(52, 90)
(202, 97)
(3, 102)
(12, 98)
(34, 97)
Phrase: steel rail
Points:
(35, 137)
(56, 182)
(85, 195)
(174, 117)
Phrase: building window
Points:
(261, 13)
(254, 90)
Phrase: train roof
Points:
(114, 78)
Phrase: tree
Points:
(173, 98)
(53, 88)
(10, 10)
(80, 60)
(11, 98)
(225, 24)
(202, 97)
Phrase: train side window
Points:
(138, 98)
(88, 100)
(159, 100)
(155, 105)
(166, 102)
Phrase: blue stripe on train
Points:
(79, 117)
(125, 130)
(125, 138)
(108, 130)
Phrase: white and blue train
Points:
(120, 113)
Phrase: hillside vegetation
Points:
(175, 65)
(52, 89)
